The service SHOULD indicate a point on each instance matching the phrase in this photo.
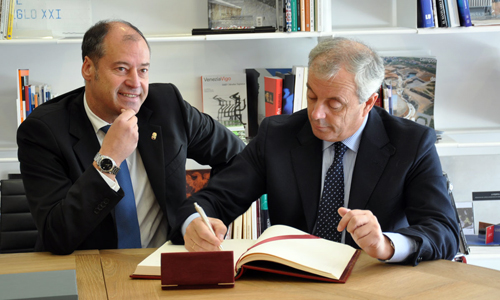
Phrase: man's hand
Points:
(199, 238)
(122, 137)
(365, 230)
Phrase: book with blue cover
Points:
(425, 14)
(464, 13)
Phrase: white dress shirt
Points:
(152, 224)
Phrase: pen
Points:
(200, 210)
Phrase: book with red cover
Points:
(280, 249)
(194, 270)
(273, 94)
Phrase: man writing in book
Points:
(104, 165)
(342, 169)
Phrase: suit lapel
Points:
(86, 144)
(150, 147)
(306, 162)
(374, 153)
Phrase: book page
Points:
(318, 256)
(151, 264)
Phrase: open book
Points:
(280, 249)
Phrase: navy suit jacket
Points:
(397, 175)
(71, 204)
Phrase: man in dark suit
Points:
(70, 163)
(396, 206)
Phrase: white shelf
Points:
(469, 142)
(271, 35)
(472, 29)
(484, 256)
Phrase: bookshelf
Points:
(468, 62)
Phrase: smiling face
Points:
(120, 79)
(333, 106)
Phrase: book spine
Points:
(327, 15)
(273, 87)
(434, 13)
(293, 4)
(425, 18)
(264, 214)
(447, 12)
(10, 25)
(303, 15)
(307, 13)
(288, 16)
(453, 13)
(441, 13)
(312, 10)
(464, 13)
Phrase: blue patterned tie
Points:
(332, 198)
(127, 225)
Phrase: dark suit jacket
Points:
(71, 203)
(397, 176)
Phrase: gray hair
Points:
(330, 55)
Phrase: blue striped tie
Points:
(127, 224)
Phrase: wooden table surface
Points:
(370, 279)
(89, 275)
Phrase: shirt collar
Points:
(97, 122)
(351, 142)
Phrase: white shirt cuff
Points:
(403, 246)
(113, 184)
(188, 221)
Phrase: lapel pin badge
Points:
(153, 136)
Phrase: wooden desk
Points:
(370, 279)
(89, 276)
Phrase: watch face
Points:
(106, 164)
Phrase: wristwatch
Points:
(106, 164)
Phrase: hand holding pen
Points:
(200, 210)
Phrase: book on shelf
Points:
(7, 8)
(288, 94)
(265, 222)
(241, 14)
(312, 11)
(273, 94)
(256, 95)
(280, 15)
(453, 13)
(425, 14)
(22, 81)
(280, 249)
(300, 83)
(29, 96)
(441, 13)
(434, 13)
(466, 216)
(288, 15)
(410, 84)
(294, 13)
(464, 13)
(224, 98)
(302, 15)
(307, 15)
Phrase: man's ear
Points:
(88, 69)
(369, 104)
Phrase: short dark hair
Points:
(92, 44)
